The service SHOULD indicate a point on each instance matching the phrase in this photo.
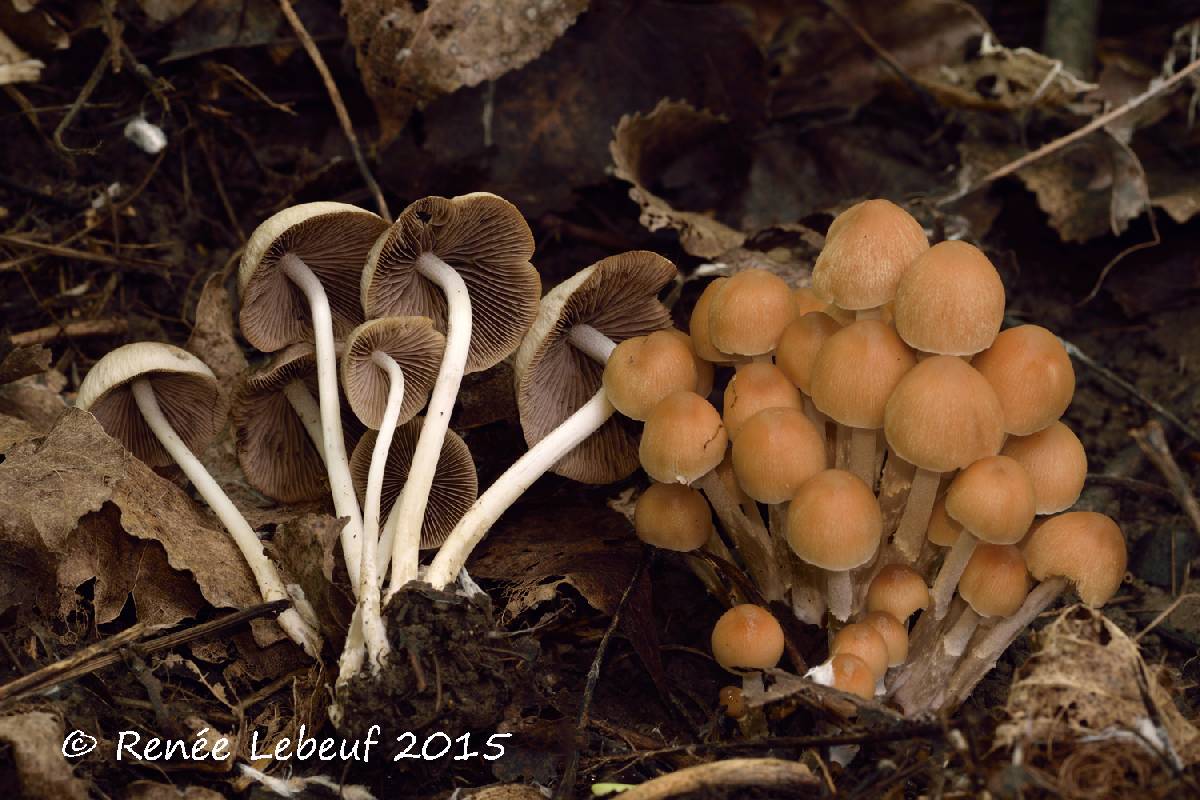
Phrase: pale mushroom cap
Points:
(834, 521)
(853, 675)
(672, 517)
(950, 301)
(995, 580)
(698, 327)
(799, 344)
(867, 250)
(274, 450)
(683, 439)
(747, 637)
(856, 372)
(333, 239)
(943, 416)
(1084, 547)
(993, 499)
(1030, 371)
(777, 450)
(645, 369)
(894, 634)
(862, 640)
(455, 484)
(749, 312)
(184, 386)
(487, 242)
(415, 346)
(1056, 462)
(619, 297)
(898, 590)
(942, 531)
(754, 387)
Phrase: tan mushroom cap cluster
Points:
(856, 372)
(866, 642)
(950, 301)
(644, 370)
(1086, 548)
(995, 581)
(799, 344)
(868, 249)
(748, 313)
(1056, 462)
(993, 498)
(898, 590)
(747, 637)
(683, 439)
(834, 521)
(1031, 373)
(753, 388)
(777, 450)
(672, 517)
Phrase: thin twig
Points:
(566, 785)
(1153, 442)
(88, 87)
(1154, 90)
(71, 330)
(339, 107)
(1131, 485)
(736, 773)
(1166, 612)
(81, 255)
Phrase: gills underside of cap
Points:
(416, 348)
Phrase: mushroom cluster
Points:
(882, 449)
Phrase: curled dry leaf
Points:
(304, 548)
(34, 741)
(21, 362)
(213, 340)
(410, 53)
(36, 399)
(1088, 681)
(49, 485)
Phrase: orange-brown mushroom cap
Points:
(747, 637)
(617, 296)
(683, 440)
(799, 345)
(942, 531)
(777, 450)
(487, 242)
(853, 675)
(943, 416)
(894, 633)
(993, 499)
(1056, 462)
(333, 239)
(672, 517)
(899, 590)
(415, 346)
(455, 484)
(1086, 548)
(752, 388)
(1030, 371)
(748, 313)
(867, 250)
(856, 372)
(995, 580)
(698, 325)
(645, 369)
(950, 301)
(863, 640)
(834, 521)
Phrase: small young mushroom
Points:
(950, 301)
(388, 371)
(894, 633)
(1056, 462)
(994, 502)
(797, 352)
(898, 590)
(778, 449)
(752, 388)
(645, 369)
(278, 427)
(834, 523)
(868, 248)
(565, 413)
(684, 439)
(748, 313)
(941, 417)
(698, 325)
(673, 517)
(1079, 548)
(846, 672)
(464, 263)
(863, 640)
(747, 637)
(994, 584)
(150, 396)
(296, 281)
(852, 378)
(1031, 373)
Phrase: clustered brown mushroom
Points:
(891, 451)
(878, 435)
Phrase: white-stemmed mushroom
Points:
(297, 279)
(149, 396)
(463, 262)
(565, 412)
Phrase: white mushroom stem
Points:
(841, 595)
(952, 569)
(536, 461)
(309, 412)
(374, 631)
(964, 627)
(403, 527)
(990, 647)
(915, 520)
(270, 585)
(345, 503)
(862, 454)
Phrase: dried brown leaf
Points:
(410, 53)
(305, 549)
(36, 399)
(212, 339)
(34, 740)
(21, 362)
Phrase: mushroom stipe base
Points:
(449, 669)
